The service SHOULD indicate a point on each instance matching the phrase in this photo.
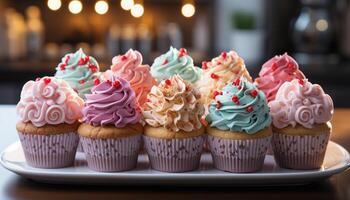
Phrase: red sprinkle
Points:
(168, 82)
(67, 60)
(63, 66)
(249, 109)
(38, 79)
(204, 122)
(235, 98)
(236, 82)
(239, 87)
(109, 82)
(93, 67)
(218, 104)
(47, 81)
(274, 66)
(204, 65)
(82, 81)
(301, 81)
(165, 62)
(291, 66)
(224, 55)
(116, 84)
(83, 61)
(214, 76)
(97, 81)
(215, 93)
(124, 58)
(253, 93)
(183, 52)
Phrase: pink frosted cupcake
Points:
(129, 67)
(275, 72)
(174, 135)
(49, 111)
(301, 116)
(111, 132)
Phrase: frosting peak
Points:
(241, 107)
(275, 72)
(175, 62)
(174, 104)
(49, 101)
(216, 73)
(112, 102)
(79, 70)
(301, 102)
(129, 67)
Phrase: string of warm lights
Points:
(134, 6)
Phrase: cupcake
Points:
(129, 66)
(239, 130)
(301, 114)
(111, 132)
(217, 72)
(175, 62)
(173, 135)
(80, 71)
(275, 72)
(49, 111)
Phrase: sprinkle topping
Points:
(214, 76)
(274, 66)
(224, 55)
(124, 58)
(116, 84)
(253, 93)
(250, 109)
(165, 62)
(301, 81)
(218, 104)
(97, 81)
(93, 67)
(47, 81)
(83, 61)
(204, 65)
(167, 82)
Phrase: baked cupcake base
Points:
(238, 152)
(173, 152)
(48, 146)
(301, 148)
(111, 149)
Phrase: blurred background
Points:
(34, 35)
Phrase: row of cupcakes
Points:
(186, 103)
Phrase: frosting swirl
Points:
(129, 67)
(239, 107)
(79, 70)
(174, 104)
(301, 102)
(112, 102)
(220, 70)
(49, 101)
(275, 72)
(175, 62)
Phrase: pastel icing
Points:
(216, 73)
(174, 104)
(79, 70)
(112, 102)
(129, 67)
(175, 62)
(275, 72)
(49, 101)
(239, 107)
(301, 102)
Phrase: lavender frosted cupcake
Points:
(239, 131)
(111, 132)
(301, 116)
(174, 135)
(49, 111)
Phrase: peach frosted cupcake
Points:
(129, 67)
(301, 116)
(275, 72)
(239, 130)
(49, 111)
(111, 132)
(174, 135)
(216, 73)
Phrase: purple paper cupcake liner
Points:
(174, 155)
(111, 155)
(49, 151)
(238, 155)
(300, 151)
(80, 147)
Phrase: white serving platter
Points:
(337, 160)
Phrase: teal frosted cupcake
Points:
(80, 71)
(239, 131)
(175, 62)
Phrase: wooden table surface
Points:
(13, 186)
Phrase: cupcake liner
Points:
(238, 155)
(111, 155)
(300, 151)
(49, 151)
(80, 147)
(174, 155)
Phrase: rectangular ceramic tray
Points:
(337, 160)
